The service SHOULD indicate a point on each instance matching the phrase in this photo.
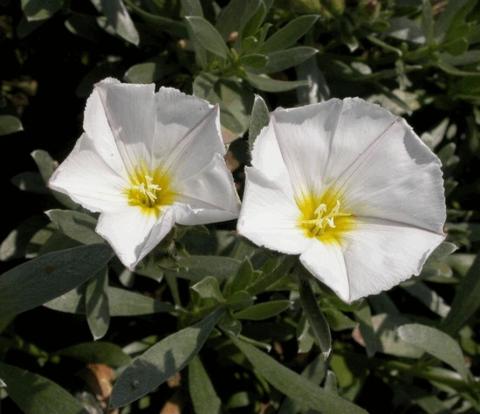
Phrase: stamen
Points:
(150, 190)
(323, 219)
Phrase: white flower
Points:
(351, 189)
(146, 161)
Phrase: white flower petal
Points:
(88, 180)
(133, 234)
(269, 216)
(130, 111)
(304, 136)
(359, 125)
(379, 255)
(326, 262)
(267, 158)
(386, 179)
(177, 114)
(95, 124)
(397, 179)
(196, 149)
(209, 196)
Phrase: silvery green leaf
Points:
(121, 302)
(284, 59)
(436, 343)
(96, 352)
(9, 124)
(289, 34)
(49, 398)
(118, 17)
(161, 361)
(76, 225)
(15, 245)
(207, 36)
(235, 15)
(96, 304)
(208, 288)
(42, 279)
(258, 119)
(195, 268)
(267, 84)
(36, 10)
(465, 303)
(294, 385)
(315, 316)
(204, 398)
(263, 310)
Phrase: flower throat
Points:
(322, 216)
(150, 190)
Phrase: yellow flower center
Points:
(322, 216)
(150, 190)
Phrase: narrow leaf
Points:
(331, 382)
(118, 17)
(314, 372)
(97, 352)
(270, 277)
(96, 305)
(241, 279)
(161, 361)
(35, 394)
(207, 36)
(293, 385)
(284, 59)
(208, 288)
(466, 302)
(9, 124)
(47, 277)
(195, 268)
(204, 398)
(31, 182)
(365, 323)
(36, 10)
(76, 225)
(121, 303)
(46, 165)
(192, 7)
(436, 343)
(314, 315)
(235, 15)
(254, 61)
(158, 23)
(264, 83)
(386, 330)
(264, 310)
(259, 119)
(427, 21)
(15, 244)
(288, 35)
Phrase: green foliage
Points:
(204, 398)
(37, 281)
(35, 394)
(294, 385)
(315, 317)
(242, 328)
(161, 361)
(9, 124)
(96, 304)
(203, 32)
(436, 343)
